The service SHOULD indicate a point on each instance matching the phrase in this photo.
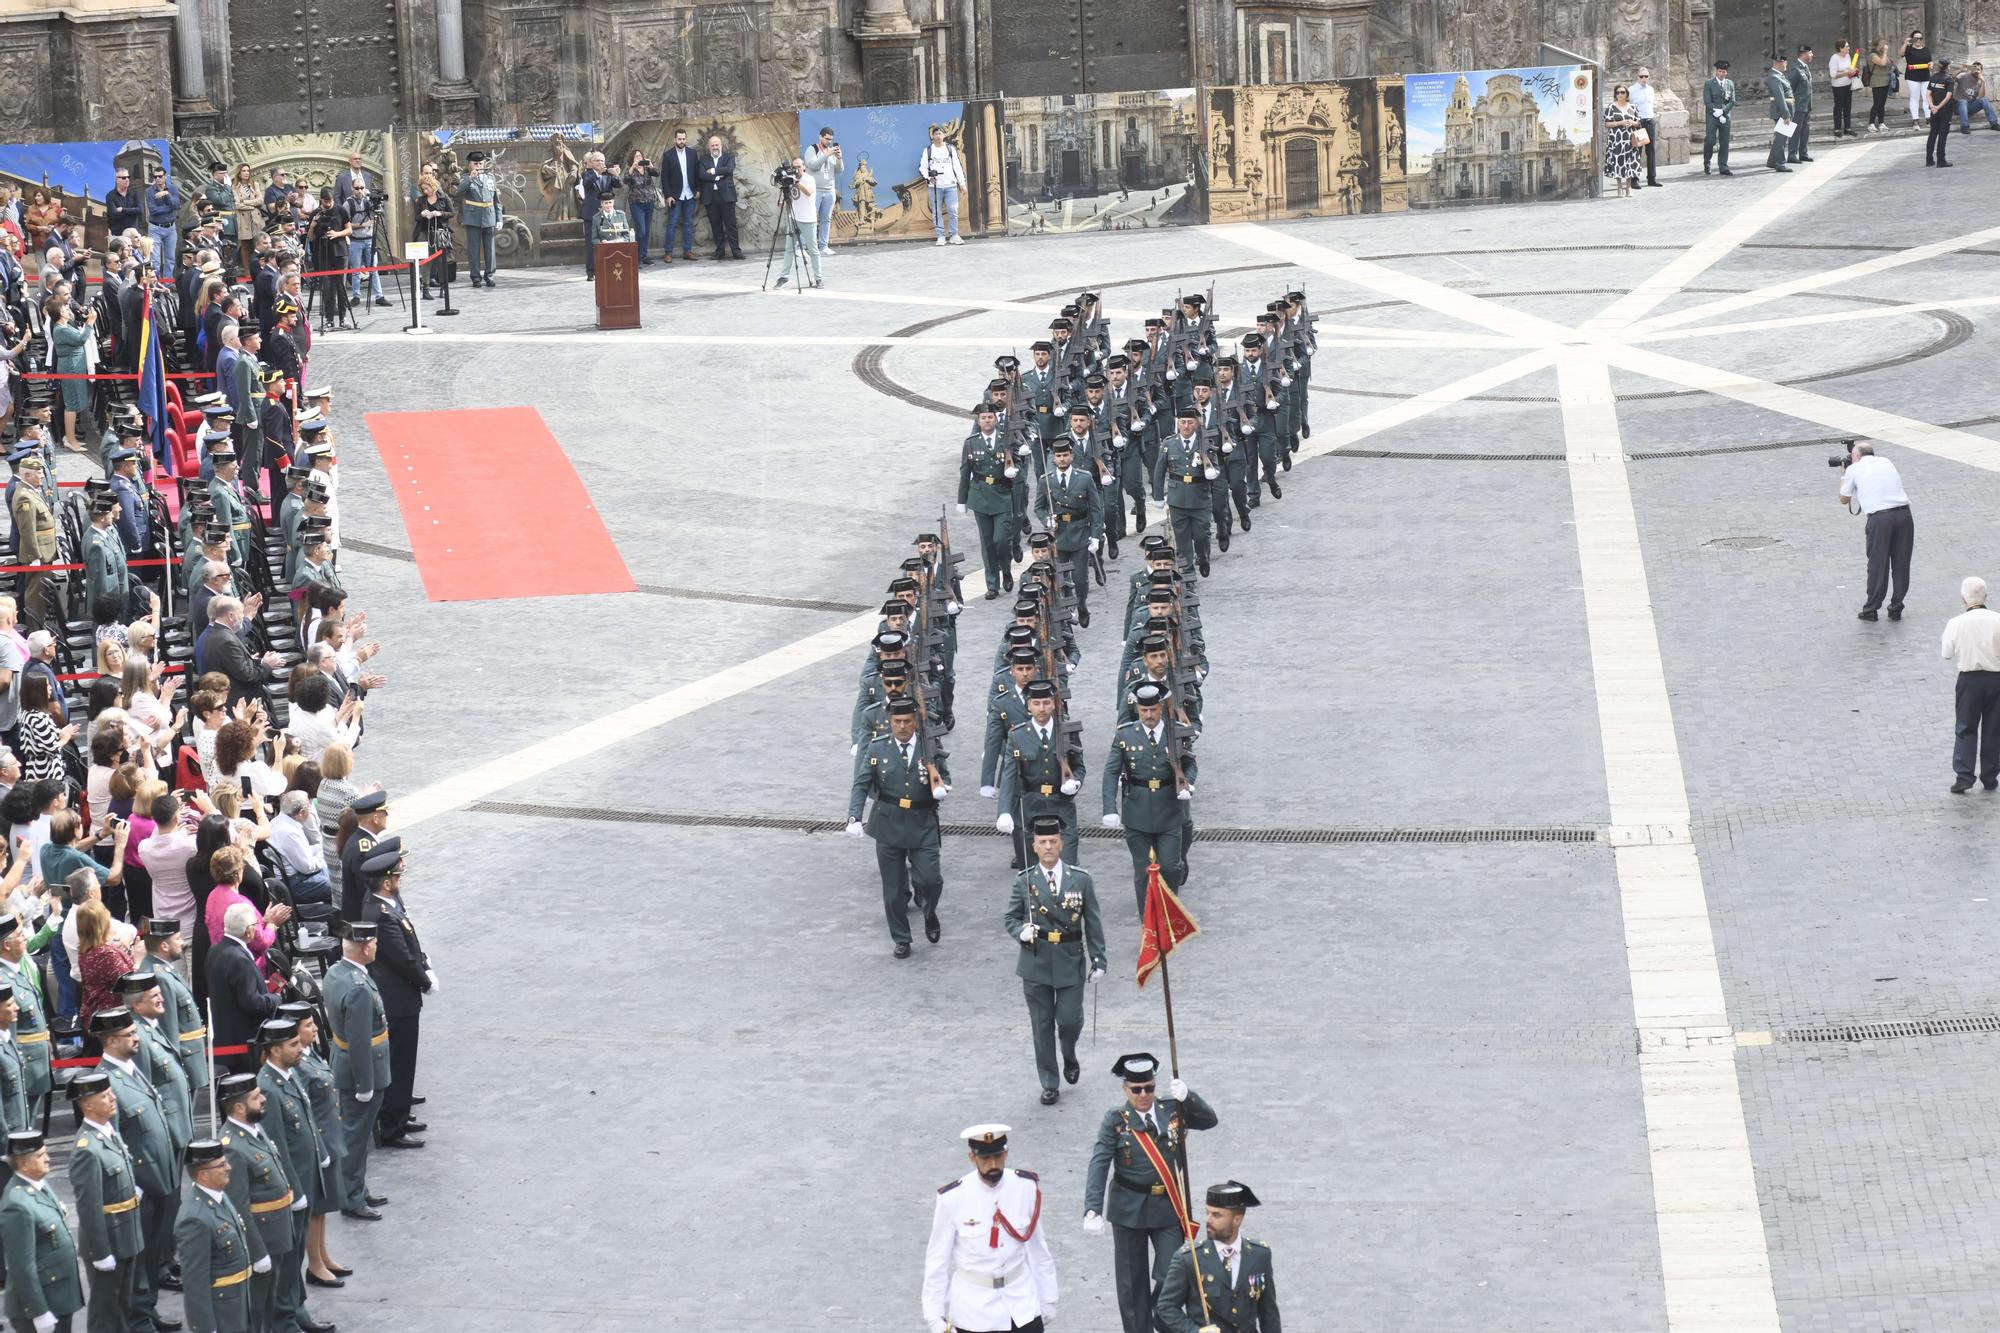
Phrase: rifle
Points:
(949, 561)
(1066, 729)
(927, 603)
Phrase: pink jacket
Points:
(220, 900)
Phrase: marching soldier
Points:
(1153, 666)
(1006, 709)
(987, 1268)
(180, 1015)
(43, 1286)
(1260, 387)
(1186, 469)
(1239, 444)
(34, 542)
(986, 474)
(31, 1027)
(142, 1123)
(1132, 1182)
(213, 1240)
(1041, 773)
(1076, 513)
(1237, 1293)
(1053, 913)
(360, 1033)
(904, 822)
(106, 1187)
(1298, 328)
(259, 1188)
(930, 550)
(1142, 770)
(874, 719)
(1039, 386)
(301, 1146)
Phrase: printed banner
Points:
(1101, 161)
(882, 192)
(317, 166)
(64, 184)
(536, 171)
(1305, 150)
(1500, 136)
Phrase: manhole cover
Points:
(1741, 543)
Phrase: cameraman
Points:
(359, 209)
(823, 160)
(642, 195)
(1874, 484)
(943, 169)
(801, 193)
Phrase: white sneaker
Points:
(940, 240)
(958, 240)
(825, 251)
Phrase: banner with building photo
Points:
(1305, 150)
(536, 170)
(1501, 136)
(312, 161)
(1100, 161)
(760, 144)
(58, 180)
(883, 194)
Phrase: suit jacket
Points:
(1249, 1305)
(673, 180)
(595, 184)
(717, 178)
(236, 994)
(1780, 88)
(220, 649)
(400, 960)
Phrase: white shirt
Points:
(1841, 68)
(685, 156)
(805, 203)
(1054, 876)
(945, 161)
(1875, 482)
(1972, 639)
(966, 1238)
(1642, 99)
(315, 731)
(1231, 1255)
(296, 845)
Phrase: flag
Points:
(153, 383)
(1165, 927)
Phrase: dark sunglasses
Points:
(1136, 1088)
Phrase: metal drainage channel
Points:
(781, 824)
(1915, 1027)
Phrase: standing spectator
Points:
(1780, 87)
(163, 211)
(1621, 152)
(13, 662)
(359, 209)
(227, 866)
(164, 855)
(336, 791)
(1642, 102)
(718, 196)
(1875, 485)
(679, 181)
(316, 724)
(343, 181)
(221, 201)
(1942, 96)
(430, 210)
(943, 171)
(221, 648)
(1876, 75)
(275, 211)
(1802, 96)
(247, 201)
(100, 961)
(123, 208)
(1917, 74)
(72, 341)
(642, 195)
(1841, 72)
(41, 218)
(596, 184)
(804, 214)
(1970, 88)
(235, 984)
(823, 159)
(1972, 640)
(479, 213)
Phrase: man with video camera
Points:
(943, 170)
(797, 192)
(1874, 485)
(361, 208)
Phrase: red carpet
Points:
(493, 507)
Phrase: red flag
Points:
(1165, 926)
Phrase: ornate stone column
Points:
(888, 42)
(455, 98)
(194, 112)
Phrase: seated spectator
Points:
(295, 840)
(82, 887)
(111, 655)
(236, 760)
(99, 961)
(316, 723)
(236, 989)
(228, 866)
(68, 849)
(42, 735)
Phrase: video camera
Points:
(785, 178)
(1844, 457)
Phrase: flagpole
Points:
(1173, 1049)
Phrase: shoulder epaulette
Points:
(950, 1185)
(1254, 1244)
(82, 1141)
(1027, 1175)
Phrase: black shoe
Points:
(1285, 464)
(1049, 1096)
(1868, 615)
(1072, 1071)
(1305, 432)
(361, 1214)
(168, 1282)
(307, 1324)
(781, 282)
(1083, 617)
(166, 1325)
(315, 1280)
(1653, 185)
(1783, 169)
(373, 1201)
(383, 300)
(1222, 540)
(1276, 494)
(1944, 164)
(1007, 579)
(414, 1127)
(401, 1141)
(1960, 788)
(1804, 158)
(418, 1101)
(1991, 784)
(1201, 563)
(1245, 516)
(736, 254)
(1725, 172)
(1705, 171)
(1016, 864)
(992, 593)
(1895, 613)
(931, 927)
(902, 949)
(1111, 548)
(1139, 519)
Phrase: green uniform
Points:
(1031, 783)
(31, 1030)
(291, 519)
(360, 1034)
(34, 544)
(1249, 1304)
(985, 488)
(1717, 96)
(1067, 944)
(1138, 675)
(107, 1215)
(41, 1254)
(142, 1123)
(183, 1018)
(1182, 481)
(1122, 1186)
(1140, 772)
(214, 1246)
(14, 1112)
(904, 825)
(1074, 507)
(301, 1147)
(1006, 709)
(1780, 89)
(231, 513)
(105, 576)
(327, 1193)
(262, 1193)
(160, 1056)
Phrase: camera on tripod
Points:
(1844, 457)
(785, 178)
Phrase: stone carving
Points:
(22, 77)
(1221, 152)
(1635, 37)
(652, 65)
(1348, 64)
(725, 54)
(1318, 53)
(534, 86)
(605, 43)
(1982, 18)
(132, 82)
(559, 176)
(800, 53)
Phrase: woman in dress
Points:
(70, 341)
(431, 209)
(1621, 156)
(249, 217)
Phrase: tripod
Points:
(800, 260)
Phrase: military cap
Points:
(360, 932)
(1155, 322)
(1202, 374)
(1041, 539)
(1118, 361)
(1253, 340)
(1085, 296)
(998, 384)
(1222, 361)
(274, 1030)
(162, 928)
(1040, 689)
(1041, 345)
(1021, 655)
(1195, 299)
(902, 707)
(380, 863)
(103, 504)
(22, 1142)
(913, 563)
(1139, 1067)
(1019, 634)
(273, 375)
(287, 308)
(1060, 323)
(1295, 296)
(324, 391)
(214, 410)
(1071, 311)
(1006, 362)
(310, 538)
(1093, 381)
(367, 801)
(1232, 1194)
(985, 407)
(891, 641)
(215, 534)
(1189, 413)
(297, 472)
(986, 1140)
(924, 537)
(8, 925)
(1722, 64)
(1078, 410)
(6, 993)
(895, 607)
(28, 458)
(201, 1153)
(1153, 643)
(1135, 345)
(1027, 606)
(110, 1020)
(1149, 694)
(297, 1010)
(136, 983)
(317, 491)
(1062, 445)
(88, 1083)
(222, 453)
(234, 1087)
(476, 156)
(1153, 542)
(1038, 568)
(895, 670)
(1159, 624)
(902, 585)
(119, 455)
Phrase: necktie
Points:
(906, 754)
(1044, 733)
(1229, 1262)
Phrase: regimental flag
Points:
(1166, 925)
(153, 384)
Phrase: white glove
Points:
(45, 1322)
(1027, 934)
(854, 749)
(1010, 472)
(262, 1265)
(301, 1203)
(1093, 546)
(854, 829)
(1228, 447)
(1096, 975)
(1005, 823)
(1022, 450)
(1111, 820)
(431, 976)
(986, 793)
(937, 1325)
(1177, 1090)
(1093, 1225)
(952, 608)
(961, 509)
(1184, 794)
(1048, 1315)
(104, 1265)
(1107, 481)
(1071, 787)
(364, 1096)
(1284, 381)
(1210, 473)
(1172, 374)
(939, 792)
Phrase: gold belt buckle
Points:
(1153, 784)
(1188, 479)
(1159, 1189)
(989, 481)
(1048, 790)
(904, 803)
(1055, 937)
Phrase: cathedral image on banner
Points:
(1501, 136)
(1305, 150)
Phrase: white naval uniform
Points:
(969, 1251)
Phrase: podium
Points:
(617, 284)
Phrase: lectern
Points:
(617, 285)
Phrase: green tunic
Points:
(214, 1248)
(35, 1234)
(1248, 1305)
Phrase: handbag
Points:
(1640, 138)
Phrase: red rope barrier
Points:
(90, 1061)
(57, 569)
(377, 268)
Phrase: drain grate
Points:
(1449, 457)
(1277, 836)
(370, 548)
(748, 599)
(1915, 1027)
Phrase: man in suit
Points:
(1718, 100)
(1053, 912)
(1800, 77)
(1238, 1293)
(679, 186)
(1124, 1185)
(904, 822)
(1780, 87)
(597, 184)
(716, 170)
(221, 648)
(236, 992)
(403, 975)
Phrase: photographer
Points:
(824, 161)
(1874, 485)
(642, 195)
(797, 190)
(596, 185)
(942, 168)
(359, 210)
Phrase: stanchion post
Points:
(416, 252)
